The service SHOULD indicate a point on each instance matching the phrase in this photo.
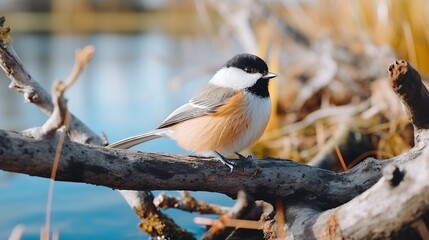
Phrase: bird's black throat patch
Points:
(260, 88)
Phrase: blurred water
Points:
(125, 90)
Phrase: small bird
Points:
(227, 115)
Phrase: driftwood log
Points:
(375, 199)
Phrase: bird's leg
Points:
(226, 161)
(244, 159)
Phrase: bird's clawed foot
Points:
(231, 163)
(245, 160)
(226, 161)
(241, 157)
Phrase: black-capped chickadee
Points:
(227, 115)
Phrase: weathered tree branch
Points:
(153, 221)
(400, 198)
(266, 179)
(188, 203)
(407, 84)
(229, 224)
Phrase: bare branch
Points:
(58, 116)
(407, 84)
(17, 232)
(229, 223)
(152, 221)
(188, 203)
(361, 217)
(83, 56)
(22, 81)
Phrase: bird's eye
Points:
(250, 70)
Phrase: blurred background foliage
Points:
(401, 24)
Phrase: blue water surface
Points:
(126, 89)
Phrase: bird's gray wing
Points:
(206, 101)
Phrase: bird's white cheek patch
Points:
(234, 78)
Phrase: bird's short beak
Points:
(269, 75)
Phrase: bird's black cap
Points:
(248, 63)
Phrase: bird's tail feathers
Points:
(141, 138)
